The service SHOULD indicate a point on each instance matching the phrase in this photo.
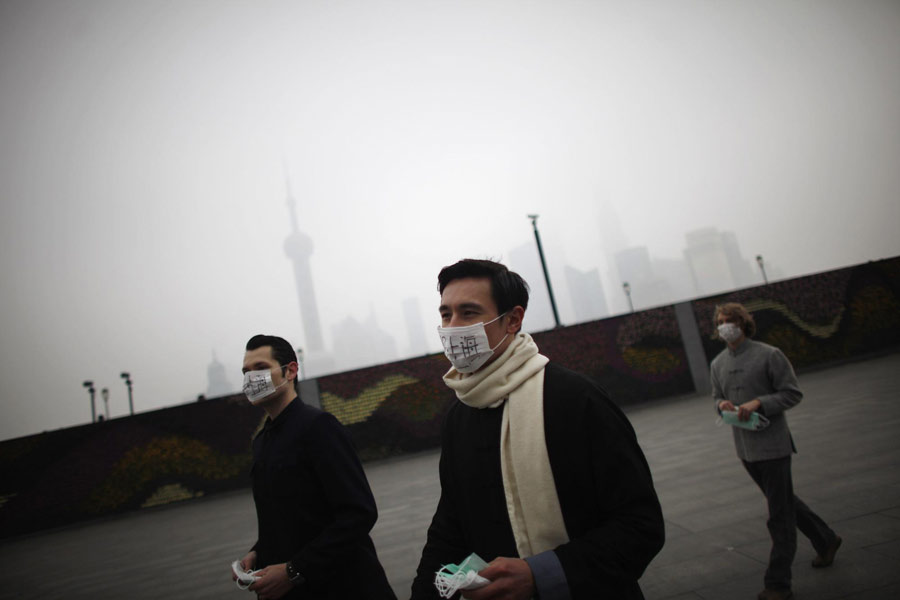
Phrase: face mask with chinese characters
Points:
(729, 332)
(467, 348)
(258, 385)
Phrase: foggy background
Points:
(150, 152)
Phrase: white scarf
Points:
(531, 499)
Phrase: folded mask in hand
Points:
(244, 578)
(756, 421)
(452, 578)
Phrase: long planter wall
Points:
(183, 452)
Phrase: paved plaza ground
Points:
(847, 430)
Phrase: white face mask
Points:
(729, 332)
(467, 348)
(258, 385)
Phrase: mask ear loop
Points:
(448, 580)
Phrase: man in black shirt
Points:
(541, 474)
(314, 506)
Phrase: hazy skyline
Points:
(145, 148)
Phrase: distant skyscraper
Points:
(647, 277)
(586, 292)
(412, 313)
(217, 381)
(299, 248)
(612, 239)
(741, 268)
(525, 261)
(715, 261)
(359, 345)
(633, 264)
(677, 277)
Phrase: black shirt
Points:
(314, 506)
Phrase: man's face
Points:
(726, 318)
(734, 319)
(467, 302)
(261, 359)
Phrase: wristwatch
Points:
(296, 577)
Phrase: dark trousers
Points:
(787, 513)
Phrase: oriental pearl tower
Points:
(299, 248)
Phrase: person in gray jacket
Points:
(752, 377)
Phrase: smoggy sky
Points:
(146, 146)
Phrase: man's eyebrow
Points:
(463, 306)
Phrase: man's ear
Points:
(291, 373)
(516, 315)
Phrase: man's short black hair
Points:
(508, 289)
(282, 351)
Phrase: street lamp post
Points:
(127, 377)
(105, 393)
(537, 238)
(762, 267)
(627, 287)
(90, 388)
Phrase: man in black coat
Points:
(314, 506)
(541, 474)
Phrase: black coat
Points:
(609, 506)
(314, 506)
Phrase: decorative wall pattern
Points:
(188, 451)
(819, 319)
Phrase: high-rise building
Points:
(715, 261)
(217, 380)
(705, 255)
(586, 293)
(526, 261)
(415, 326)
(362, 345)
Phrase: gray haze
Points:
(147, 148)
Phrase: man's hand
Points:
(273, 582)
(725, 405)
(248, 563)
(511, 579)
(748, 408)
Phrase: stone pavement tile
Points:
(406, 491)
(892, 512)
(888, 592)
(858, 533)
(737, 586)
(853, 571)
(686, 596)
(705, 518)
(889, 549)
(673, 532)
(704, 490)
(696, 573)
(877, 498)
(868, 530)
(713, 541)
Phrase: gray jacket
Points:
(757, 370)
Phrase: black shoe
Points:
(825, 560)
